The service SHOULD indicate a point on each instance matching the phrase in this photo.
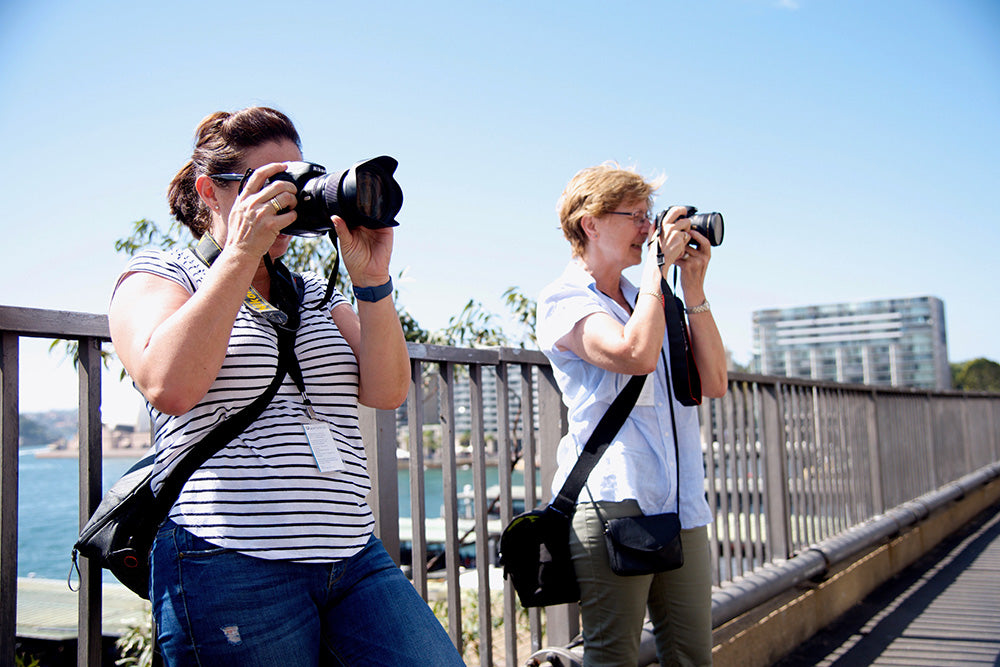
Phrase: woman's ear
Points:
(208, 190)
(589, 225)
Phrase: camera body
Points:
(365, 195)
(709, 225)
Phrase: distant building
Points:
(462, 396)
(897, 342)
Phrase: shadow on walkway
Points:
(942, 610)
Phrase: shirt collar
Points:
(576, 274)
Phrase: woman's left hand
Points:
(365, 252)
(693, 264)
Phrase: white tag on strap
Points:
(323, 447)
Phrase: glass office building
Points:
(897, 342)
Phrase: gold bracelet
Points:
(658, 297)
(701, 308)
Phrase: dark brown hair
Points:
(221, 142)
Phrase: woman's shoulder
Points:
(176, 256)
(573, 279)
(176, 264)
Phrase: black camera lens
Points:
(366, 195)
(709, 225)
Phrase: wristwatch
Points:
(704, 307)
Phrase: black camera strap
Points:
(683, 369)
(286, 288)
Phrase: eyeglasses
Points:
(638, 219)
(227, 177)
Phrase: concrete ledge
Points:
(770, 631)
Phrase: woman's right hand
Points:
(672, 236)
(254, 223)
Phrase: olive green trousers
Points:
(613, 607)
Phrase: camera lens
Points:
(709, 225)
(371, 203)
(365, 195)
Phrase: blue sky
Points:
(850, 145)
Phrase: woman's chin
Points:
(280, 246)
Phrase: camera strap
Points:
(286, 288)
(684, 372)
(330, 283)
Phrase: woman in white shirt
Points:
(598, 329)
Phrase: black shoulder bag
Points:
(120, 532)
(534, 547)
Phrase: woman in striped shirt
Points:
(268, 555)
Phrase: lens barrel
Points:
(709, 225)
(365, 195)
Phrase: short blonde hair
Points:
(597, 191)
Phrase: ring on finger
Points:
(685, 255)
(275, 205)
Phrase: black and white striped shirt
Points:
(263, 494)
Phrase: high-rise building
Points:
(897, 342)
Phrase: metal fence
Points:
(789, 463)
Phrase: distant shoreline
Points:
(75, 453)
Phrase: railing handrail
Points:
(792, 461)
(41, 323)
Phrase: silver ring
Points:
(275, 205)
(685, 255)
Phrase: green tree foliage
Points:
(474, 326)
(976, 375)
(33, 431)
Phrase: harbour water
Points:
(48, 507)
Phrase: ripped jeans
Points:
(216, 607)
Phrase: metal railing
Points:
(790, 463)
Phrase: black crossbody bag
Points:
(119, 534)
(534, 547)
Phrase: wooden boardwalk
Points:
(944, 610)
(47, 609)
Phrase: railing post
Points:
(776, 472)
(505, 432)
(378, 430)
(929, 440)
(478, 442)
(563, 621)
(449, 485)
(418, 508)
(875, 446)
(89, 604)
(529, 457)
(9, 437)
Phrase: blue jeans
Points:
(216, 607)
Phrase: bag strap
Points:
(597, 443)
(225, 432)
(287, 293)
(687, 389)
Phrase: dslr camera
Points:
(364, 195)
(709, 225)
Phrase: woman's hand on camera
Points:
(694, 264)
(365, 252)
(674, 236)
(254, 221)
